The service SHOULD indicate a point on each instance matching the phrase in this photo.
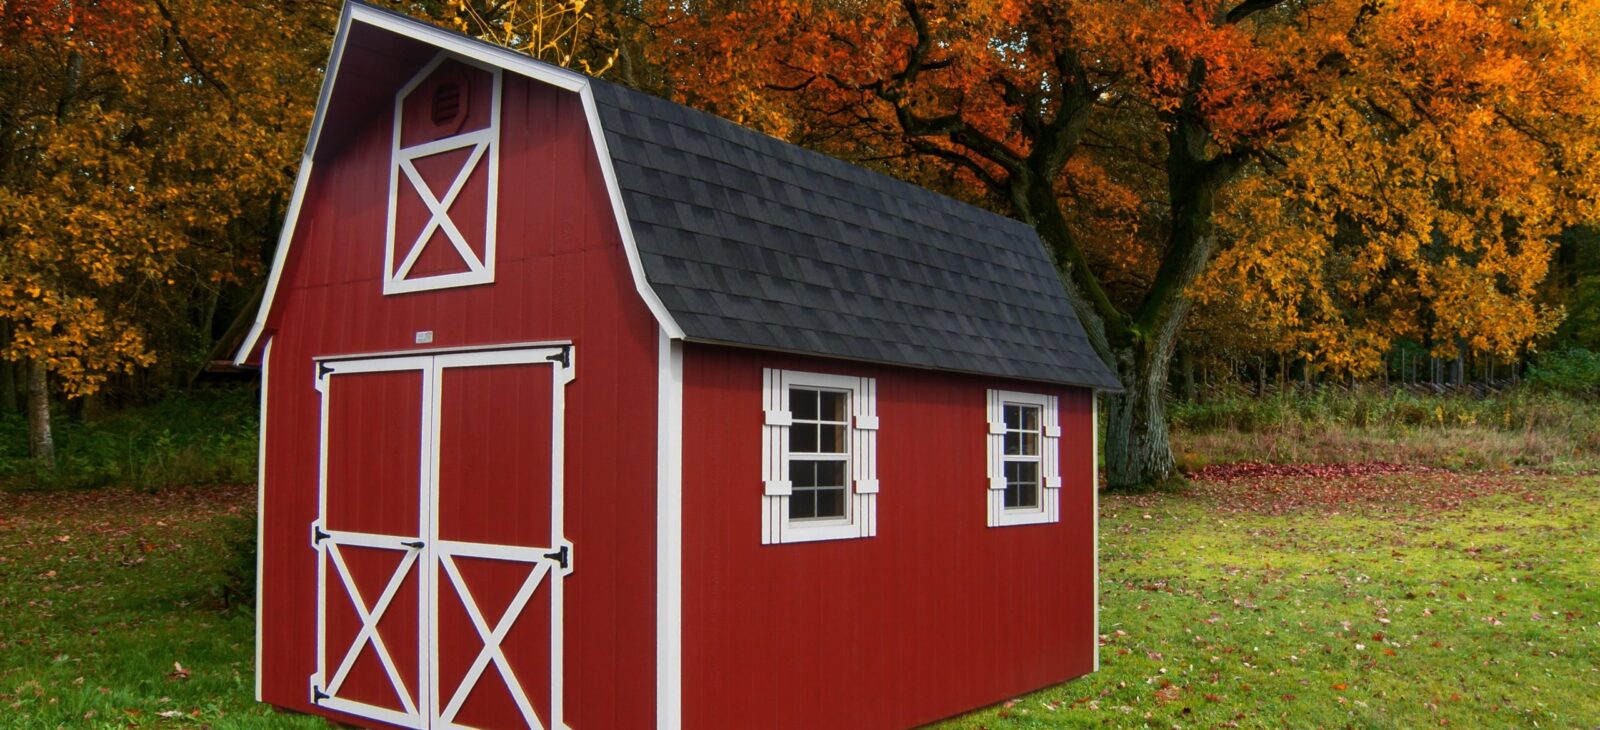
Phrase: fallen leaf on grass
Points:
(178, 672)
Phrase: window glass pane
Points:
(833, 406)
(830, 502)
(832, 439)
(803, 473)
(1022, 484)
(1027, 442)
(1013, 443)
(803, 438)
(802, 504)
(830, 473)
(803, 403)
(1013, 417)
(1027, 495)
(1030, 418)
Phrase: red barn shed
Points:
(585, 409)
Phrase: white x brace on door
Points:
(440, 541)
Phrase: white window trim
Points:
(1049, 509)
(862, 435)
(399, 256)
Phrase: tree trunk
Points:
(1138, 450)
(8, 375)
(41, 444)
(1186, 362)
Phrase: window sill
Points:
(1015, 517)
(817, 531)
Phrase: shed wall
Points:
(936, 614)
(561, 275)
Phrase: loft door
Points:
(440, 538)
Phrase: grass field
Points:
(1358, 596)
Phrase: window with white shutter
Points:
(819, 459)
(1024, 485)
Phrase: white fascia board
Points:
(474, 49)
(484, 53)
(631, 246)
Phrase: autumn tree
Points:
(1367, 169)
(573, 34)
(144, 145)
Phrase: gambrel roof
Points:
(738, 238)
(752, 241)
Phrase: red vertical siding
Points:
(936, 614)
(561, 274)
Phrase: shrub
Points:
(200, 437)
(1574, 371)
(237, 586)
(1533, 426)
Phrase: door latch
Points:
(414, 544)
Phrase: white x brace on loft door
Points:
(440, 541)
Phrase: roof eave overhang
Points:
(913, 366)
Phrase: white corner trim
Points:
(1094, 516)
(261, 503)
(669, 533)
(484, 53)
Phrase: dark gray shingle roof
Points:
(752, 241)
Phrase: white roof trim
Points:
(485, 53)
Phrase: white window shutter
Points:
(1050, 449)
(777, 487)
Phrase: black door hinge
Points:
(317, 535)
(560, 556)
(317, 695)
(562, 356)
(323, 369)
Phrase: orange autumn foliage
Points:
(144, 147)
(1402, 165)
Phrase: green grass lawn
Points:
(105, 594)
(1342, 599)
(1337, 597)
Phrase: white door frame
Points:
(423, 706)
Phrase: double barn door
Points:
(441, 553)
